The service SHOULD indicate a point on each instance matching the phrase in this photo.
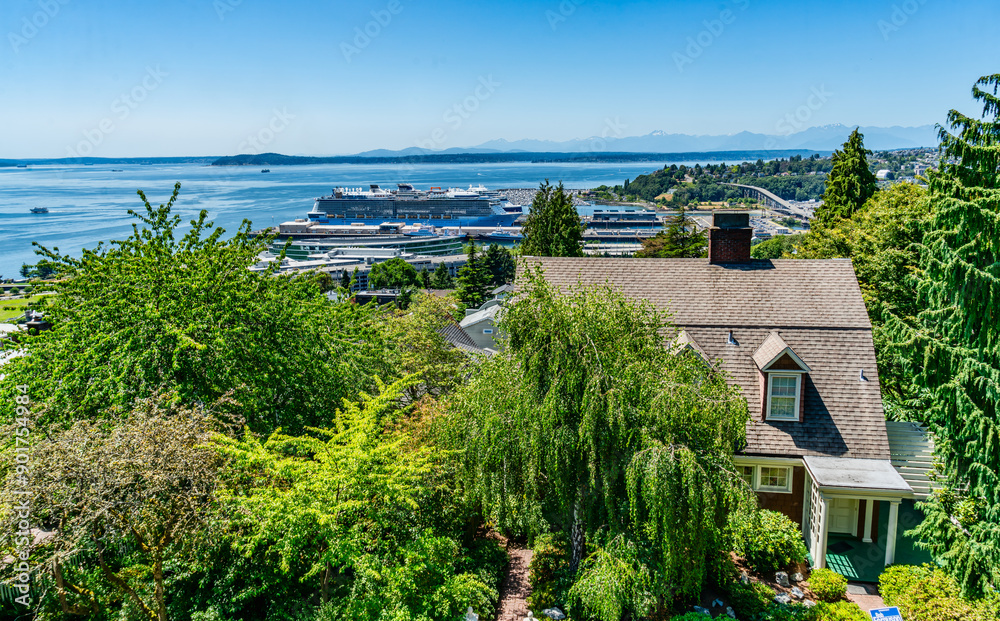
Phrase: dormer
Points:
(782, 375)
(684, 344)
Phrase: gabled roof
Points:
(685, 342)
(490, 312)
(460, 338)
(814, 306)
(773, 349)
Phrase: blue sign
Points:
(886, 614)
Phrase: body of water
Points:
(89, 204)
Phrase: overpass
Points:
(768, 198)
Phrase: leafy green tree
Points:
(586, 423)
(185, 316)
(25, 270)
(423, 351)
(499, 263)
(776, 247)
(951, 348)
(850, 183)
(681, 239)
(392, 274)
(441, 278)
(424, 279)
(553, 228)
(473, 280)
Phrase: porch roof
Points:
(870, 475)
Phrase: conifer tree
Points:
(850, 183)
(500, 264)
(441, 278)
(952, 347)
(680, 240)
(553, 228)
(425, 278)
(473, 280)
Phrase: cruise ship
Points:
(475, 207)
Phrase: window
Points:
(773, 478)
(747, 473)
(488, 331)
(783, 397)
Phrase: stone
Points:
(718, 603)
(471, 616)
(782, 598)
(554, 613)
(808, 603)
(730, 612)
(797, 593)
(781, 578)
(797, 577)
(704, 611)
(744, 578)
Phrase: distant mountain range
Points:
(821, 138)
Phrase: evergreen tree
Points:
(553, 228)
(499, 263)
(952, 347)
(442, 278)
(850, 183)
(473, 280)
(425, 279)
(680, 240)
(345, 279)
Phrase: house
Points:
(795, 337)
(480, 323)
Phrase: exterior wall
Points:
(789, 504)
(481, 340)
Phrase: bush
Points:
(689, 616)
(837, 611)
(927, 593)
(749, 601)
(768, 540)
(15, 291)
(827, 584)
(548, 571)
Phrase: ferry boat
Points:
(39, 210)
(454, 207)
(500, 235)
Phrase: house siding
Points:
(789, 504)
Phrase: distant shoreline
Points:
(277, 159)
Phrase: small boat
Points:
(502, 235)
(117, 170)
(39, 210)
(263, 170)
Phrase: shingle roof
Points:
(490, 312)
(814, 306)
(458, 337)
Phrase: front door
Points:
(843, 517)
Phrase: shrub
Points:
(548, 571)
(768, 540)
(689, 616)
(15, 291)
(927, 593)
(837, 611)
(827, 584)
(749, 601)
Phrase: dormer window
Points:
(783, 393)
(782, 374)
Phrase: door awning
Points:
(871, 476)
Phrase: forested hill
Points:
(277, 159)
(795, 178)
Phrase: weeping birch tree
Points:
(589, 424)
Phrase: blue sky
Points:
(203, 77)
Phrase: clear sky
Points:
(201, 77)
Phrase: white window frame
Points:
(787, 489)
(798, 394)
(487, 330)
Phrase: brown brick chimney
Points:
(729, 237)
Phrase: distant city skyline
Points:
(221, 77)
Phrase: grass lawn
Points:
(11, 309)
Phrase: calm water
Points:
(88, 204)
